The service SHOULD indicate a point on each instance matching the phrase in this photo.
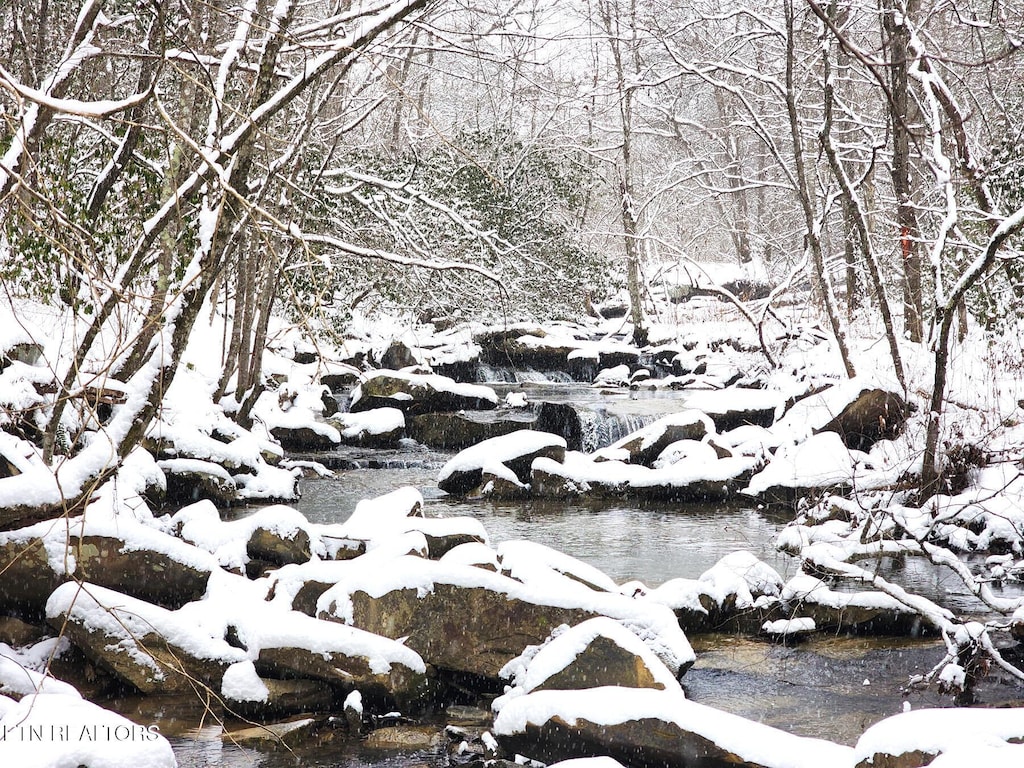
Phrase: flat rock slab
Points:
(651, 729)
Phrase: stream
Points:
(827, 687)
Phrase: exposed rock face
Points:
(345, 657)
(108, 561)
(599, 652)
(875, 415)
(398, 355)
(456, 628)
(270, 545)
(466, 428)
(284, 698)
(405, 738)
(417, 394)
(27, 565)
(293, 734)
(399, 685)
(190, 480)
(303, 438)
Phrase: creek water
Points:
(827, 687)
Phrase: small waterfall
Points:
(491, 374)
(587, 428)
(600, 428)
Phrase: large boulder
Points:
(515, 451)
(593, 654)
(821, 461)
(466, 428)
(874, 415)
(274, 535)
(190, 480)
(375, 428)
(859, 412)
(685, 480)
(917, 738)
(151, 648)
(347, 658)
(867, 612)
(415, 394)
(650, 729)
(247, 693)
(467, 619)
(124, 555)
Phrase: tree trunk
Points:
(804, 192)
(897, 34)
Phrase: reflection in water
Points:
(652, 543)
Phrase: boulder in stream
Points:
(190, 480)
(467, 619)
(644, 446)
(465, 428)
(414, 393)
(125, 555)
(922, 736)
(593, 654)
(153, 649)
(651, 729)
(515, 451)
(375, 428)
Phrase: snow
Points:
(789, 626)
(200, 525)
(804, 588)
(268, 629)
(934, 731)
(820, 461)
(19, 675)
(612, 705)
(531, 562)
(743, 575)
(377, 421)
(432, 381)
(353, 702)
(582, 471)
(241, 683)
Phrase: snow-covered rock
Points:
(516, 452)
(497, 615)
(642, 726)
(150, 647)
(415, 393)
